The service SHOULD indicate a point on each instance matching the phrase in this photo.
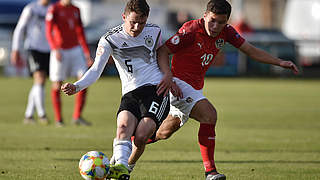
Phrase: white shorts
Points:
(72, 64)
(182, 107)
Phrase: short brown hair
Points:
(138, 6)
(219, 7)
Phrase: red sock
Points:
(206, 138)
(149, 141)
(56, 103)
(79, 104)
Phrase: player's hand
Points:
(165, 84)
(58, 54)
(68, 89)
(16, 59)
(289, 65)
(176, 91)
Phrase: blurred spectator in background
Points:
(177, 19)
(242, 26)
(30, 34)
(65, 34)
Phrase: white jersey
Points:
(135, 58)
(31, 23)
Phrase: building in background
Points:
(261, 15)
(10, 11)
(302, 24)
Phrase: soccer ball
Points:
(94, 165)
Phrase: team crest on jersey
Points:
(148, 40)
(219, 43)
(175, 40)
(100, 50)
(237, 36)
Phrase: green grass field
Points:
(267, 129)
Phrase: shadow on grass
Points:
(66, 159)
(235, 161)
(53, 149)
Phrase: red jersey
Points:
(64, 27)
(194, 50)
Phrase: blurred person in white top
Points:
(29, 34)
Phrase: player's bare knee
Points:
(122, 131)
(56, 85)
(210, 118)
(122, 127)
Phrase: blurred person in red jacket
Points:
(242, 26)
(69, 56)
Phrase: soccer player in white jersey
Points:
(145, 82)
(30, 34)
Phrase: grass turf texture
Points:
(267, 129)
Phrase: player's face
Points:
(65, 2)
(214, 23)
(134, 23)
(44, 2)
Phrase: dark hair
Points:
(219, 7)
(138, 6)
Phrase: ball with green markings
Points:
(94, 165)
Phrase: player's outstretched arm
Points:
(166, 84)
(163, 62)
(176, 91)
(289, 65)
(69, 89)
(264, 57)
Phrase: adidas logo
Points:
(124, 44)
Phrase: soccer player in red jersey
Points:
(64, 31)
(194, 48)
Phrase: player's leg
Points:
(144, 131)
(122, 147)
(154, 109)
(170, 125)
(42, 70)
(79, 67)
(206, 114)
(34, 66)
(128, 115)
(58, 73)
(180, 109)
(78, 107)
(56, 101)
(126, 124)
(28, 116)
(39, 96)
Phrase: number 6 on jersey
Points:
(154, 107)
